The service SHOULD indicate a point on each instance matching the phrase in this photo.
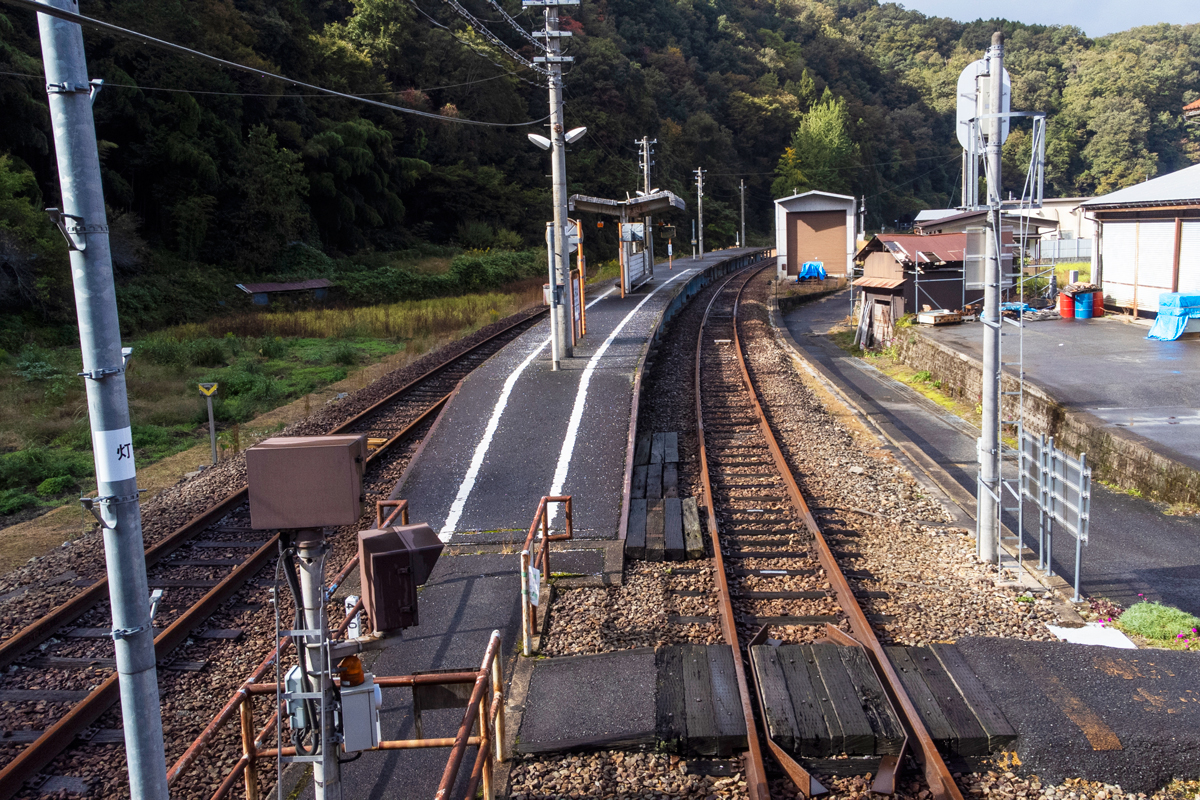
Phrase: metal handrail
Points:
(540, 518)
(488, 708)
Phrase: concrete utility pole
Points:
(648, 245)
(700, 205)
(85, 226)
(742, 188)
(554, 60)
(988, 500)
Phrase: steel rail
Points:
(37, 632)
(937, 775)
(63, 733)
(756, 773)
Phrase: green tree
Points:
(32, 260)
(822, 155)
(273, 188)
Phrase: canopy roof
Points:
(633, 207)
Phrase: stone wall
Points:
(1117, 457)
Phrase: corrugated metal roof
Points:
(1181, 187)
(634, 206)
(930, 214)
(878, 283)
(298, 286)
(933, 247)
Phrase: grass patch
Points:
(1062, 271)
(1164, 625)
(260, 360)
(605, 271)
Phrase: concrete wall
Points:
(1117, 457)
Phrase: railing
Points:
(240, 704)
(541, 566)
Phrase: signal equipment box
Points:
(392, 563)
(306, 481)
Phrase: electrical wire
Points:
(464, 42)
(894, 187)
(526, 35)
(139, 87)
(483, 31)
(107, 27)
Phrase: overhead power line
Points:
(483, 31)
(107, 27)
(526, 35)
(139, 87)
(467, 43)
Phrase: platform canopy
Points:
(627, 209)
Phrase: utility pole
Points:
(742, 187)
(645, 143)
(84, 224)
(988, 500)
(862, 216)
(554, 59)
(700, 205)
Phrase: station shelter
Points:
(815, 226)
(636, 252)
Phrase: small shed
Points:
(909, 271)
(260, 293)
(1149, 241)
(815, 226)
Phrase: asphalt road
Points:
(1135, 551)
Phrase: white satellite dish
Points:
(966, 101)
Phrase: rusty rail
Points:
(755, 768)
(37, 632)
(937, 775)
(541, 518)
(59, 736)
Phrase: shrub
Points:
(206, 352)
(25, 469)
(162, 350)
(33, 365)
(272, 347)
(344, 353)
(13, 500)
(475, 235)
(52, 487)
(508, 240)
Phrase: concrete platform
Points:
(1130, 717)
(1135, 550)
(517, 431)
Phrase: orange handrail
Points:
(540, 518)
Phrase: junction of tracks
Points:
(756, 599)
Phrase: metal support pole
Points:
(987, 538)
(700, 205)
(212, 430)
(310, 553)
(85, 225)
(742, 188)
(558, 169)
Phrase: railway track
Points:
(60, 674)
(775, 571)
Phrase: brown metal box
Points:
(392, 563)
(306, 481)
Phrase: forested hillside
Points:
(210, 174)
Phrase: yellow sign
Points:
(208, 389)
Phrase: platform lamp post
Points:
(208, 390)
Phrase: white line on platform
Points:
(481, 449)
(568, 447)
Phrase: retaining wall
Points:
(1117, 457)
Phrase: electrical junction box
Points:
(360, 715)
(306, 481)
(297, 710)
(392, 563)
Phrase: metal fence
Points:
(1065, 250)
(1061, 488)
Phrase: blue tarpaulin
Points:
(811, 269)
(1174, 311)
